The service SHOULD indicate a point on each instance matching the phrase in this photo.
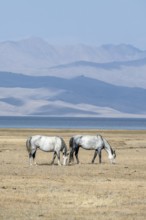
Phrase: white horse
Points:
(48, 144)
(89, 142)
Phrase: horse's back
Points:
(85, 138)
(88, 142)
(46, 143)
(35, 137)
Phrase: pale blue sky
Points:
(93, 22)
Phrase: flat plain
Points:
(82, 191)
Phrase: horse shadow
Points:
(86, 163)
(47, 164)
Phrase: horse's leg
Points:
(54, 156)
(99, 154)
(71, 156)
(32, 158)
(95, 154)
(58, 155)
(76, 154)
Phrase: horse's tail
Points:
(71, 142)
(28, 144)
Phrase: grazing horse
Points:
(89, 142)
(48, 144)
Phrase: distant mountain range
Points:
(41, 79)
(47, 95)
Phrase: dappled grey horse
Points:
(90, 142)
(48, 144)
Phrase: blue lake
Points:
(73, 123)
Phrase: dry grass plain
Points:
(85, 191)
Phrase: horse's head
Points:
(112, 156)
(65, 159)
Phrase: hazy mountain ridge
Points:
(106, 66)
(34, 54)
(71, 79)
(79, 95)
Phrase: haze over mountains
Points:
(78, 80)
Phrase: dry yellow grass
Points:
(85, 191)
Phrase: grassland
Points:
(75, 192)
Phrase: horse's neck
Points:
(107, 147)
(64, 147)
